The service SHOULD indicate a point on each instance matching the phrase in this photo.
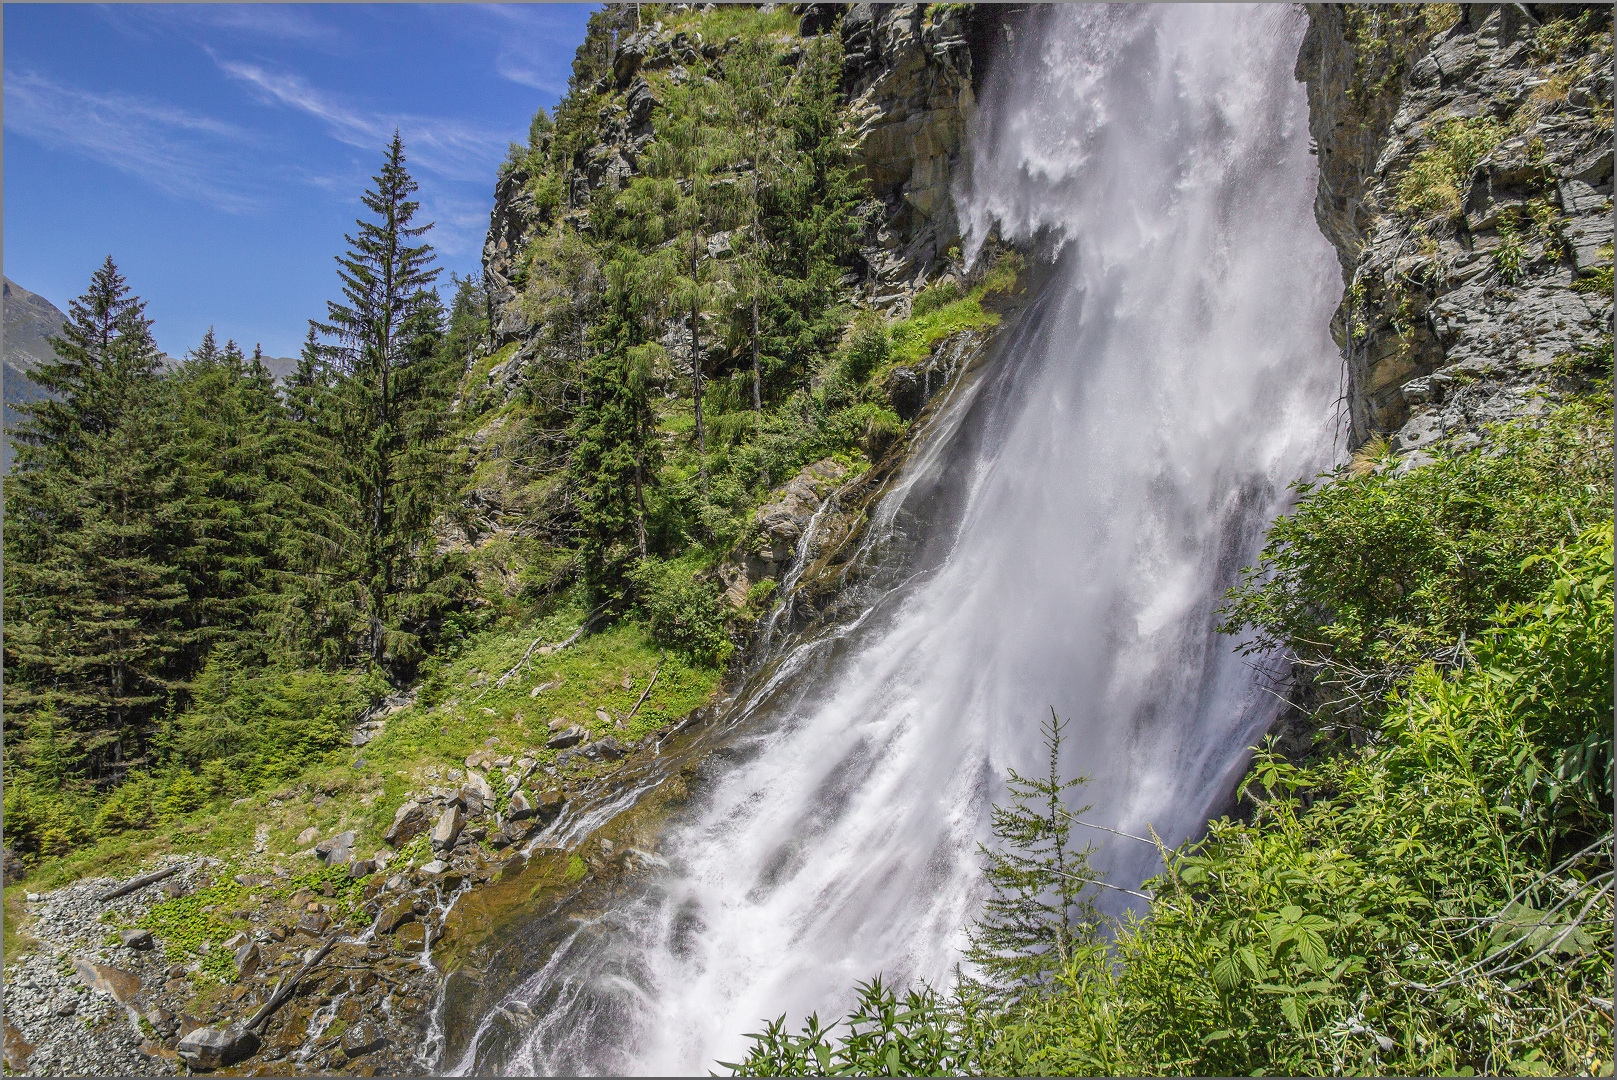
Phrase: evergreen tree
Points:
(687, 161)
(756, 93)
(1037, 913)
(229, 412)
(310, 381)
(95, 522)
(390, 401)
(618, 455)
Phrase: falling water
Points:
(1072, 527)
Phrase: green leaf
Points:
(1226, 974)
(1290, 1010)
(1311, 947)
(1291, 913)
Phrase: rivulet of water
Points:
(1071, 529)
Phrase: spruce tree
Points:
(1037, 912)
(389, 404)
(94, 531)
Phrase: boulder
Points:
(436, 866)
(551, 800)
(314, 923)
(215, 1048)
(607, 749)
(337, 850)
(17, 1048)
(308, 836)
(447, 831)
(361, 868)
(412, 937)
(249, 959)
(135, 939)
(571, 737)
(478, 781)
(120, 984)
(361, 1038)
(520, 807)
(391, 918)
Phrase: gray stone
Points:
(480, 782)
(249, 959)
(337, 850)
(519, 807)
(135, 939)
(409, 821)
(571, 737)
(436, 866)
(448, 829)
(216, 1048)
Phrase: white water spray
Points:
(1086, 505)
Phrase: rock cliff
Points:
(1465, 179)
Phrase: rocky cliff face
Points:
(1465, 179)
(908, 75)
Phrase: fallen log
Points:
(644, 692)
(285, 987)
(140, 882)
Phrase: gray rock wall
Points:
(1472, 307)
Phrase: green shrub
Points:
(934, 297)
(869, 348)
(1373, 574)
(685, 612)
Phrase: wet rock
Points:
(135, 939)
(411, 938)
(607, 749)
(361, 1038)
(395, 916)
(447, 831)
(215, 1048)
(551, 800)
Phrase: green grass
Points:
(731, 20)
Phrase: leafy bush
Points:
(936, 296)
(685, 612)
(1374, 573)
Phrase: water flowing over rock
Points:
(1060, 537)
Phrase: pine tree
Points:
(95, 525)
(389, 404)
(1037, 912)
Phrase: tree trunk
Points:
(640, 499)
(757, 379)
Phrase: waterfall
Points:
(1066, 539)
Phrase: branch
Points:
(503, 679)
(140, 882)
(284, 988)
(646, 691)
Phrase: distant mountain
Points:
(28, 320)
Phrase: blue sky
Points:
(218, 152)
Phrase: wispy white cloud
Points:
(535, 45)
(454, 149)
(274, 22)
(182, 153)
